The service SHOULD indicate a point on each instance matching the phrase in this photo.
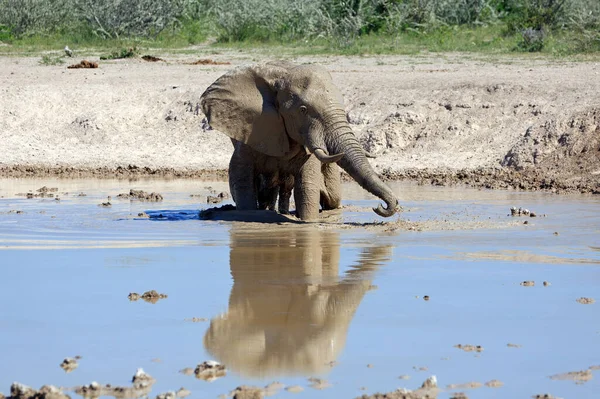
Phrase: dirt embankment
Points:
(493, 122)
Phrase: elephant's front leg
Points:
(286, 186)
(331, 193)
(241, 178)
(307, 188)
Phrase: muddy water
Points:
(341, 300)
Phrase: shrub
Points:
(129, 18)
(29, 17)
(51, 60)
(431, 14)
(265, 19)
(130, 52)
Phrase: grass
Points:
(482, 40)
(491, 39)
(127, 52)
(50, 60)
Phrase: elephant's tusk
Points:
(323, 157)
(386, 212)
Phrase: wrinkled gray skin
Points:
(288, 120)
(274, 185)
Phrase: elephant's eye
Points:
(303, 109)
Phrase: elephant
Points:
(289, 308)
(288, 120)
(273, 186)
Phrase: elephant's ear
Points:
(242, 104)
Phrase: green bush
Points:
(261, 20)
(5, 33)
(523, 25)
(50, 60)
(130, 52)
(129, 18)
(35, 17)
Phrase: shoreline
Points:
(481, 178)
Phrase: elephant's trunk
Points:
(340, 139)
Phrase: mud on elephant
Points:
(288, 120)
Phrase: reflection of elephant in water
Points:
(289, 310)
(286, 119)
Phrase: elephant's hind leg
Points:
(267, 188)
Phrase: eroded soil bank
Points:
(500, 122)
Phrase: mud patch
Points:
(119, 172)
(141, 196)
(273, 388)
(428, 389)
(181, 393)
(319, 383)
(141, 386)
(294, 389)
(196, 319)
(210, 370)
(586, 301)
(42, 192)
(579, 377)
(69, 364)
(497, 179)
(84, 64)
(470, 348)
(187, 371)
(151, 58)
(229, 213)
(215, 199)
(524, 257)
(208, 61)
(22, 391)
(151, 296)
(247, 392)
(466, 385)
(494, 384)
(514, 211)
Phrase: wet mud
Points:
(577, 376)
(151, 58)
(428, 390)
(470, 348)
(85, 64)
(42, 192)
(586, 301)
(149, 296)
(141, 385)
(210, 370)
(141, 195)
(21, 391)
(69, 364)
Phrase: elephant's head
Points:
(274, 107)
